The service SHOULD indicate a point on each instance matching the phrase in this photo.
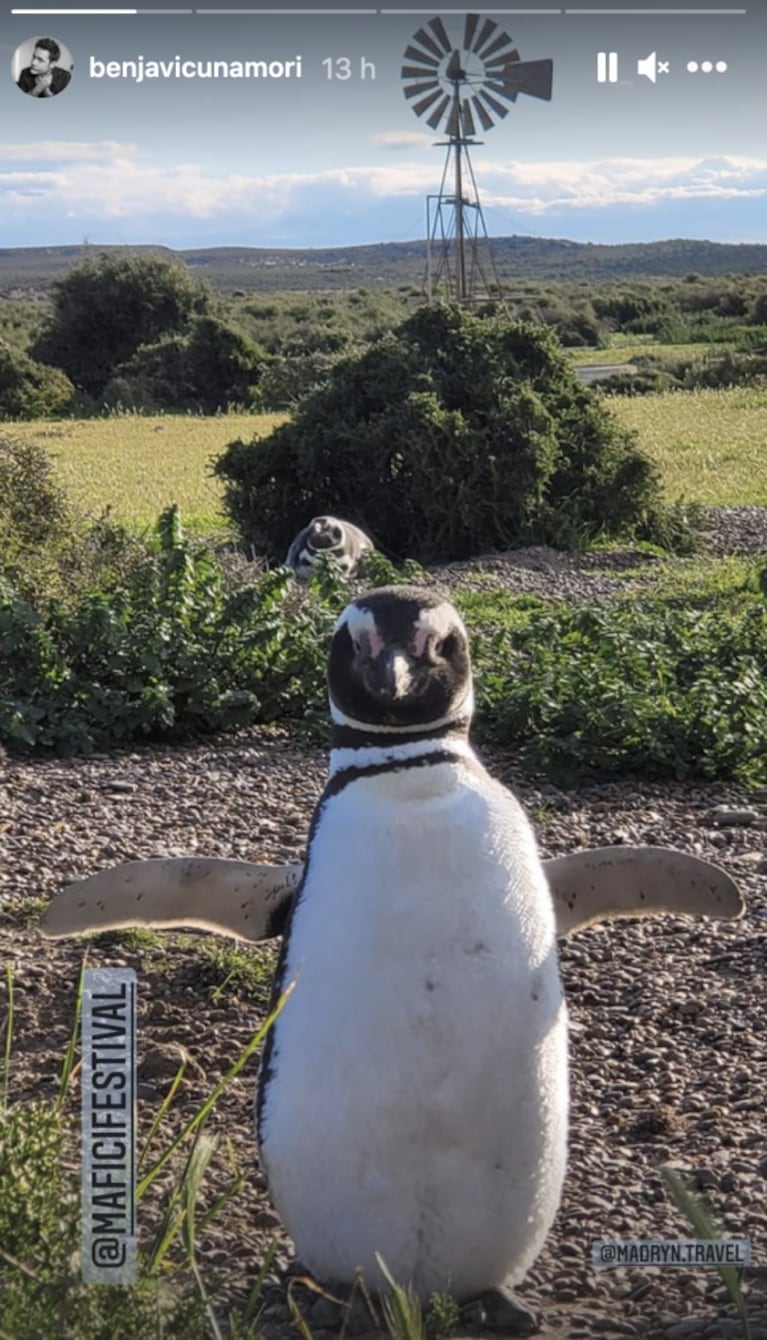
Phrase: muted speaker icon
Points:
(651, 67)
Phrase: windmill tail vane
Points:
(454, 87)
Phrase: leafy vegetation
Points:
(105, 309)
(159, 363)
(648, 690)
(454, 435)
(653, 373)
(30, 390)
(169, 653)
(47, 549)
(652, 687)
(204, 369)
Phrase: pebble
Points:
(683, 1329)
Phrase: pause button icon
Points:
(607, 67)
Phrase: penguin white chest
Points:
(415, 1103)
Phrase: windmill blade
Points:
(420, 107)
(469, 127)
(413, 53)
(438, 28)
(426, 41)
(413, 90)
(497, 66)
(453, 125)
(417, 72)
(500, 42)
(469, 29)
(503, 90)
(486, 121)
(485, 36)
(438, 113)
(493, 103)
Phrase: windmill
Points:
(454, 87)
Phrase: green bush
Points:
(169, 654)
(30, 390)
(657, 691)
(46, 548)
(732, 368)
(36, 522)
(451, 436)
(205, 369)
(661, 689)
(105, 309)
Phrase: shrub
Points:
(30, 390)
(732, 368)
(46, 548)
(209, 366)
(654, 691)
(169, 654)
(449, 437)
(105, 309)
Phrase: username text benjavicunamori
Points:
(140, 69)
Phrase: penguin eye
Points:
(448, 646)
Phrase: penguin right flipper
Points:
(237, 898)
(603, 883)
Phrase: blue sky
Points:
(318, 162)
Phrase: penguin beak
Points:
(390, 674)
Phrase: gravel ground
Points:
(668, 1017)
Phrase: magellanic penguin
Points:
(329, 535)
(413, 1099)
(413, 1096)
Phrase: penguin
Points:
(413, 1096)
(327, 535)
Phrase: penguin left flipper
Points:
(238, 898)
(252, 902)
(607, 882)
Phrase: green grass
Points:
(711, 446)
(689, 581)
(138, 466)
(629, 347)
(40, 1280)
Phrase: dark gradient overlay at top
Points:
(331, 97)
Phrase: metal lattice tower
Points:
(455, 85)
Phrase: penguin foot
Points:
(499, 1310)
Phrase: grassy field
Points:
(711, 447)
(624, 349)
(139, 465)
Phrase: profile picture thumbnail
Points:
(42, 67)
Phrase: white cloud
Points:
(67, 151)
(114, 181)
(402, 139)
(539, 188)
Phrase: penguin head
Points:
(325, 532)
(399, 661)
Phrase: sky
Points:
(319, 161)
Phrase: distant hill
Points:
(28, 270)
